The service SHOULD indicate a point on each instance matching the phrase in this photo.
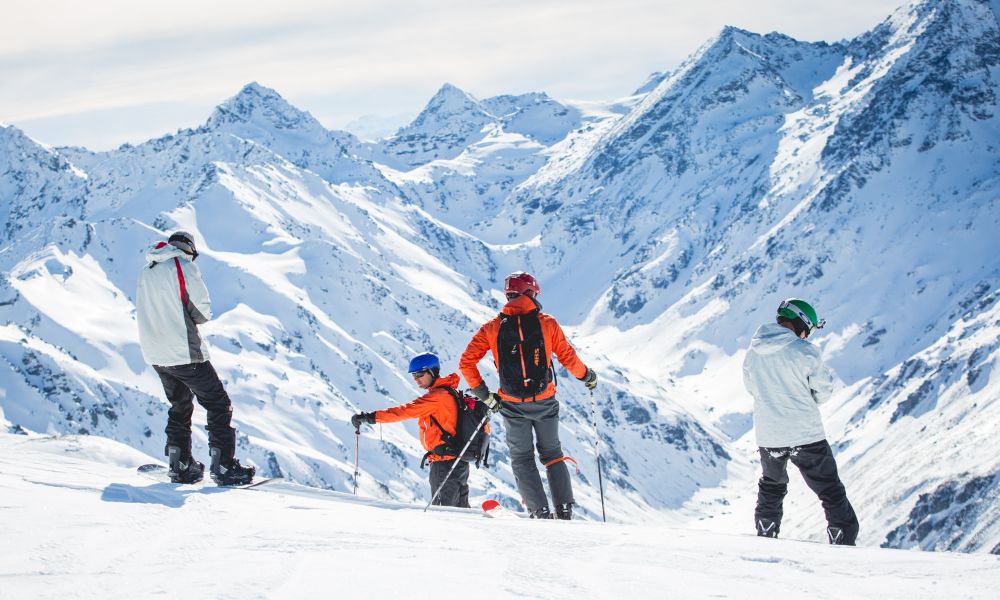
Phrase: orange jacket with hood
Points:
(437, 403)
(552, 334)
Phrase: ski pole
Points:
(457, 459)
(357, 447)
(597, 451)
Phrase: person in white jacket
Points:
(171, 301)
(786, 376)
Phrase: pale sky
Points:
(105, 72)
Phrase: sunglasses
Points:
(419, 374)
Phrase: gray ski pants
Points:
(533, 425)
(456, 490)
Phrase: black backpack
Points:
(471, 412)
(523, 359)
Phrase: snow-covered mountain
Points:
(665, 227)
(325, 286)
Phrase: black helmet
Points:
(184, 242)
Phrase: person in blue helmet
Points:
(437, 416)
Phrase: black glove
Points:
(589, 379)
(363, 417)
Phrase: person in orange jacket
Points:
(436, 410)
(523, 340)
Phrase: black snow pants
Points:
(456, 490)
(819, 469)
(182, 383)
(532, 425)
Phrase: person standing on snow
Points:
(522, 340)
(788, 380)
(437, 414)
(170, 303)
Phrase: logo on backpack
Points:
(524, 367)
(471, 412)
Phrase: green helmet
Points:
(793, 308)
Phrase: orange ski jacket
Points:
(437, 403)
(486, 340)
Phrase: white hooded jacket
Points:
(788, 380)
(168, 326)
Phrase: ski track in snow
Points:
(109, 532)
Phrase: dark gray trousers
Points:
(532, 425)
(456, 490)
(819, 470)
(182, 383)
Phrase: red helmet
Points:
(520, 282)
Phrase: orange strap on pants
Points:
(569, 458)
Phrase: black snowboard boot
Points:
(767, 528)
(183, 469)
(541, 513)
(564, 511)
(838, 537)
(229, 472)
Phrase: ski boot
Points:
(564, 511)
(835, 535)
(229, 472)
(183, 470)
(541, 513)
(767, 528)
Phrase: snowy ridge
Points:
(664, 227)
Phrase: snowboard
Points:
(495, 510)
(159, 473)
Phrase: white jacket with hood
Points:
(788, 380)
(168, 326)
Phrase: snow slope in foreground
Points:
(78, 522)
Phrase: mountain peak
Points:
(446, 103)
(448, 90)
(761, 46)
(729, 31)
(14, 138)
(254, 89)
(259, 104)
(452, 120)
(651, 83)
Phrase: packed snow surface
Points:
(79, 522)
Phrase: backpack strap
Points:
(452, 391)
(439, 450)
(457, 397)
(447, 437)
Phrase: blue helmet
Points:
(425, 362)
